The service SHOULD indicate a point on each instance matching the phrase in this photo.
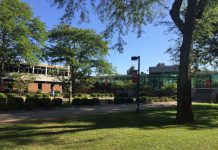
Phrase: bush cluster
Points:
(12, 101)
(102, 95)
(80, 95)
(57, 102)
(85, 101)
(120, 100)
(147, 99)
(123, 94)
(2, 101)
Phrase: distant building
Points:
(45, 79)
(204, 83)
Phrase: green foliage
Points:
(15, 103)
(38, 96)
(57, 102)
(147, 99)
(147, 91)
(22, 80)
(120, 100)
(122, 94)
(120, 17)
(44, 95)
(3, 105)
(39, 92)
(57, 93)
(83, 50)
(205, 41)
(2, 95)
(28, 95)
(22, 35)
(80, 95)
(101, 95)
(10, 95)
(31, 103)
(169, 89)
(85, 101)
(46, 103)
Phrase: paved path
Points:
(57, 113)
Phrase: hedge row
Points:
(120, 100)
(102, 95)
(85, 101)
(14, 102)
(94, 95)
(146, 99)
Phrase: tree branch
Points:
(175, 15)
(200, 8)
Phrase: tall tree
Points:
(21, 81)
(82, 50)
(120, 16)
(205, 39)
(22, 36)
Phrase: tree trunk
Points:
(184, 103)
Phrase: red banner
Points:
(207, 84)
(134, 76)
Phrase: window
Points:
(39, 86)
(52, 86)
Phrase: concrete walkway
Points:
(58, 113)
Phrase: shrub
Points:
(15, 103)
(123, 94)
(146, 99)
(39, 91)
(111, 94)
(3, 105)
(29, 95)
(166, 99)
(143, 99)
(44, 95)
(93, 95)
(57, 93)
(38, 96)
(9, 95)
(57, 102)
(46, 102)
(80, 95)
(85, 101)
(31, 103)
(174, 97)
(169, 89)
(2, 95)
(120, 100)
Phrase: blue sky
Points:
(150, 47)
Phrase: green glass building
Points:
(160, 75)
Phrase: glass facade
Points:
(204, 80)
(157, 80)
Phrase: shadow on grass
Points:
(206, 117)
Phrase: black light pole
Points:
(138, 91)
(210, 88)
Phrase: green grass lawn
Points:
(149, 129)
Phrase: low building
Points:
(45, 80)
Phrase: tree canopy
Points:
(22, 36)
(205, 39)
(83, 50)
(121, 16)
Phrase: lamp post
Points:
(138, 90)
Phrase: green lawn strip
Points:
(149, 129)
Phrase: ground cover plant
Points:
(150, 129)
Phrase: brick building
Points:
(45, 80)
